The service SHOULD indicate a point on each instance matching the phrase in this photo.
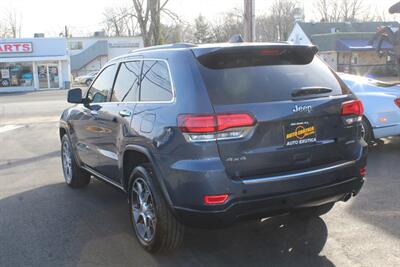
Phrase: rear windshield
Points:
(266, 83)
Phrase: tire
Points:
(366, 131)
(315, 211)
(74, 176)
(163, 231)
(88, 82)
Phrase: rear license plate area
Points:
(300, 133)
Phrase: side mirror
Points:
(75, 96)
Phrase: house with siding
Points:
(346, 46)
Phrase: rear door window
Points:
(156, 83)
(126, 88)
(265, 83)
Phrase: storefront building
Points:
(89, 54)
(34, 64)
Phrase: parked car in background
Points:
(382, 105)
(86, 79)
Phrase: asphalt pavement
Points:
(45, 223)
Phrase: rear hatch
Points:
(295, 100)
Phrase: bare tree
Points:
(351, 10)
(148, 15)
(143, 16)
(229, 24)
(266, 30)
(342, 11)
(328, 10)
(177, 33)
(10, 24)
(113, 21)
(283, 17)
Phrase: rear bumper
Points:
(269, 206)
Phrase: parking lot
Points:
(45, 223)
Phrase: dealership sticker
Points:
(299, 133)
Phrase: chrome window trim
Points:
(299, 174)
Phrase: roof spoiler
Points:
(251, 48)
(254, 55)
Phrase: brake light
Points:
(226, 121)
(353, 107)
(271, 52)
(197, 124)
(363, 171)
(210, 127)
(397, 102)
(216, 199)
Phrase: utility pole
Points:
(249, 20)
(66, 32)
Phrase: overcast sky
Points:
(85, 16)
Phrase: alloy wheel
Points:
(143, 214)
(67, 162)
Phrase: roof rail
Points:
(166, 46)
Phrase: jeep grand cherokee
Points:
(206, 135)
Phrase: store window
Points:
(354, 59)
(16, 74)
(75, 45)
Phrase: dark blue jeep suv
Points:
(206, 135)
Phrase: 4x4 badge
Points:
(302, 109)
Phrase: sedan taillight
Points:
(210, 127)
(397, 102)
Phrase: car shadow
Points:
(282, 241)
(378, 202)
(54, 225)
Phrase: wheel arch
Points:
(370, 125)
(138, 155)
(62, 131)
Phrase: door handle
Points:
(125, 113)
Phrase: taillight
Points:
(397, 102)
(226, 121)
(216, 199)
(210, 127)
(363, 171)
(271, 52)
(353, 107)
(197, 124)
(352, 111)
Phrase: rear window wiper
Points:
(310, 91)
